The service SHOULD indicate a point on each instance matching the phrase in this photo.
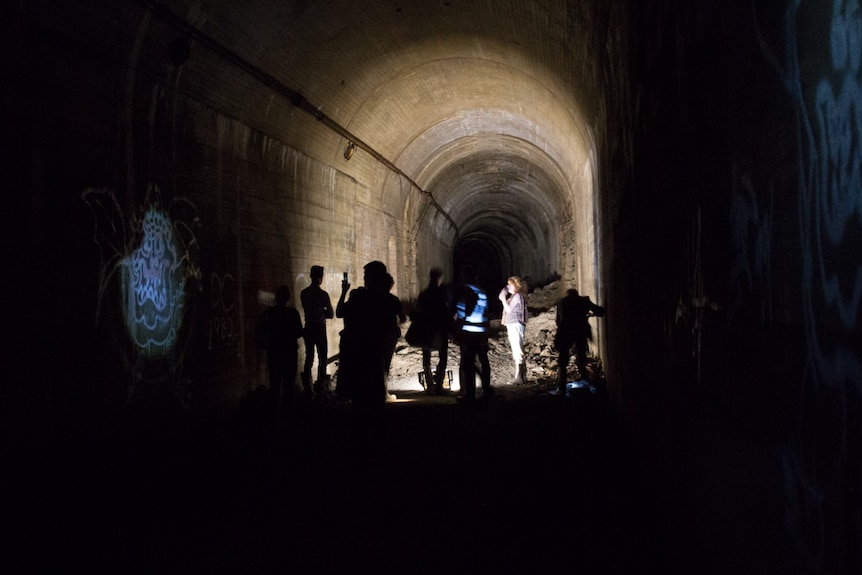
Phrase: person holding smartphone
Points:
(364, 346)
(515, 320)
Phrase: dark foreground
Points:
(526, 483)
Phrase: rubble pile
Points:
(544, 298)
(539, 345)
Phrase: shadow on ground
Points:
(527, 483)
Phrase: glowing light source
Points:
(349, 150)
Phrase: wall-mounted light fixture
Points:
(348, 150)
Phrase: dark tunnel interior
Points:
(691, 167)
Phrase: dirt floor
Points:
(528, 482)
(541, 359)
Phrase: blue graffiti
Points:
(154, 285)
(831, 195)
(838, 193)
(155, 256)
(830, 202)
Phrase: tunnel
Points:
(692, 167)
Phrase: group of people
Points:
(463, 316)
(471, 327)
(372, 317)
(281, 328)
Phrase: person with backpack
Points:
(573, 330)
(434, 308)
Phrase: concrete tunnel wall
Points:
(223, 138)
(704, 188)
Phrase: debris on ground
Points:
(541, 358)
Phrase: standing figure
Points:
(573, 329)
(318, 308)
(471, 328)
(515, 320)
(282, 328)
(397, 315)
(363, 349)
(435, 306)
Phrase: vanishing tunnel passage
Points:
(509, 210)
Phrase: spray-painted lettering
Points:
(222, 311)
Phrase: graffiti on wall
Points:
(153, 254)
(829, 121)
(153, 285)
(223, 313)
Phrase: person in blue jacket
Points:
(471, 329)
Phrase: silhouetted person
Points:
(396, 312)
(364, 345)
(471, 328)
(573, 329)
(434, 305)
(515, 320)
(318, 308)
(282, 328)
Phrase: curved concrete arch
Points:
(513, 132)
(340, 51)
(443, 88)
(431, 152)
(504, 186)
(434, 98)
(496, 162)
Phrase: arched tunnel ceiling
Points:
(474, 174)
(495, 192)
(475, 100)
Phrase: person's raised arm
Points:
(596, 309)
(504, 298)
(339, 309)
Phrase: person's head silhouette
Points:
(282, 295)
(317, 274)
(435, 276)
(375, 275)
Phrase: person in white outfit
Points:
(515, 320)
